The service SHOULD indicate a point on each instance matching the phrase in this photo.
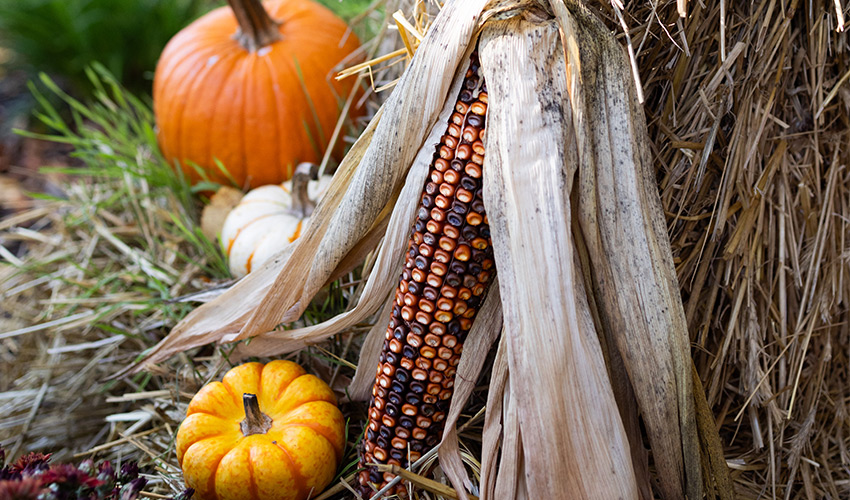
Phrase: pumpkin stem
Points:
(256, 28)
(302, 205)
(256, 422)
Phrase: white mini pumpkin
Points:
(269, 218)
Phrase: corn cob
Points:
(448, 266)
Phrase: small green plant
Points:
(63, 37)
(113, 135)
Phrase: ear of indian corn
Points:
(448, 267)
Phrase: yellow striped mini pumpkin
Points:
(264, 432)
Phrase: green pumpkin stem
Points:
(256, 422)
(256, 28)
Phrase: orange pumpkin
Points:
(252, 88)
(263, 432)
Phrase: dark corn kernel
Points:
(448, 266)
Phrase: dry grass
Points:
(748, 106)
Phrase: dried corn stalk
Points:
(587, 288)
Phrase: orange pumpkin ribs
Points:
(448, 267)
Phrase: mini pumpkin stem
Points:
(256, 422)
(256, 28)
(302, 205)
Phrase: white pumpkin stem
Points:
(256, 28)
(302, 205)
(256, 422)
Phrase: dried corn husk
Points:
(360, 388)
(586, 278)
(566, 407)
(634, 281)
(495, 425)
(483, 334)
